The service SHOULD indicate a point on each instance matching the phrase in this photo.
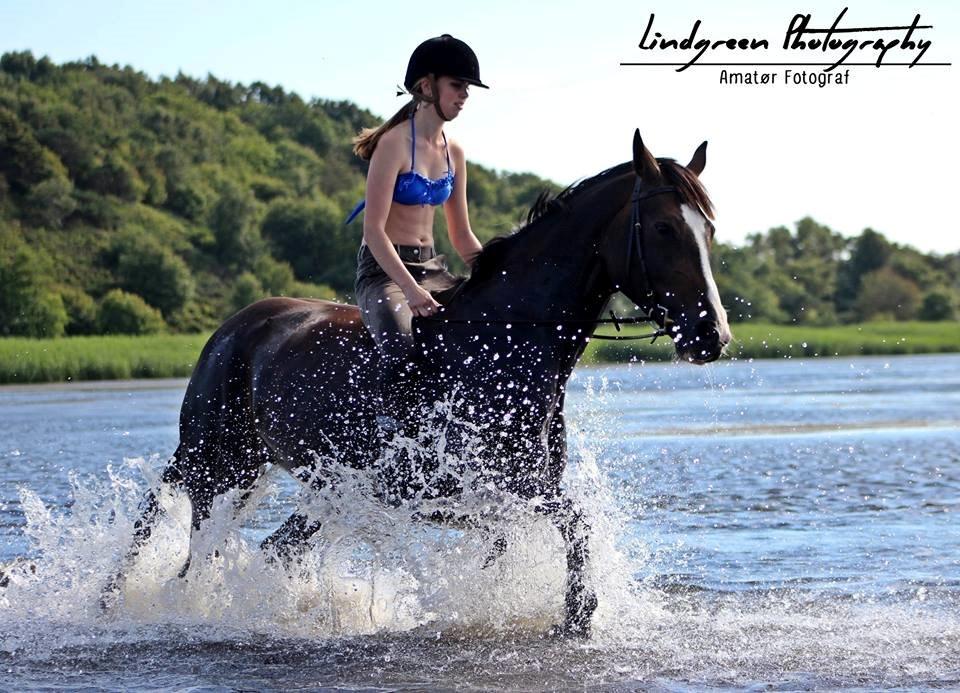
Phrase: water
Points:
(769, 525)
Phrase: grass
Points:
(166, 356)
(113, 357)
(782, 341)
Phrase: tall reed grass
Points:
(162, 356)
(98, 358)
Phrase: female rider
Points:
(413, 168)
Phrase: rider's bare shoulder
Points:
(392, 149)
(456, 150)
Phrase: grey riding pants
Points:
(384, 309)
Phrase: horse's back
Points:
(283, 376)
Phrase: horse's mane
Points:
(545, 207)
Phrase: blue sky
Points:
(879, 151)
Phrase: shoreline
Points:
(163, 383)
(154, 358)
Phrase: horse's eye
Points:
(663, 228)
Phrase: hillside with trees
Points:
(132, 205)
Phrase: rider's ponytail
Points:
(366, 141)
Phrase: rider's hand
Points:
(420, 301)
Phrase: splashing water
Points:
(382, 597)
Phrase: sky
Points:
(878, 152)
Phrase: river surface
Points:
(768, 525)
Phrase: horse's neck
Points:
(549, 273)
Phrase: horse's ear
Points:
(699, 160)
(643, 162)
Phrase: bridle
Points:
(633, 261)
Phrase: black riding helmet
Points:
(443, 56)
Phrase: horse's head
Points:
(660, 260)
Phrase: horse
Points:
(293, 382)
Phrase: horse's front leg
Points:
(579, 601)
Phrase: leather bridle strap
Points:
(634, 256)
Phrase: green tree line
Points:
(813, 275)
(132, 205)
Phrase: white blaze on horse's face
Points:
(697, 223)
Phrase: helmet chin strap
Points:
(434, 99)
(435, 92)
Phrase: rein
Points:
(612, 320)
(657, 314)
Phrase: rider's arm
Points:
(455, 208)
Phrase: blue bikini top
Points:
(413, 188)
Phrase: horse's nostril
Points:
(706, 329)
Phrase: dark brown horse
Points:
(292, 381)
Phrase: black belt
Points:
(409, 253)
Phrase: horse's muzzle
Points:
(704, 344)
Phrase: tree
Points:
(81, 310)
(49, 202)
(116, 177)
(146, 268)
(44, 316)
(28, 305)
(124, 313)
(23, 160)
(246, 290)
(75, 151)
(22, 65)
(97, 210)
(883, 292)
(311, 236)
(220, 95)
(481, 187)
(744, 291)
(913, 265)
(938, 304)
(233, 220)
(185, 200)
(183, 195)
(870, 252)
(275, 277)
(18, 64)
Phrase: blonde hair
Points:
(366, 141)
